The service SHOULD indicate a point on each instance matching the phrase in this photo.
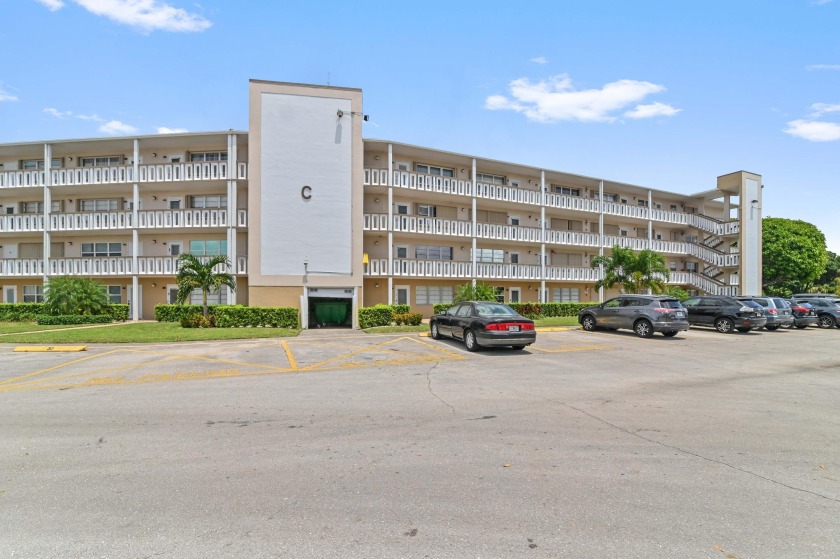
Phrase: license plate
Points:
(513, 328)
(679, 315)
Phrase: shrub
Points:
(400, 319)
(56, 319)
(68, 295)
(195, 320)
(380, 315)
(20, 312)
(440, 307)
(235, 316)
(174, 313)
(530, 310)
(414, 318)
(401, 309)
(118, 312)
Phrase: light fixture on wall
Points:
(154, 155)
(462, 247)
(70, 158)
(463, 171)
(154, 241)
(376, 285)
(70, 243)
(376, 200)
(154, 197)
(154, 284)
(377, 158)
(376, 242)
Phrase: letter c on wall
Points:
(306, 192)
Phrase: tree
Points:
(830, 278)
(74, 295)
(793, 254)
(196, 273)
(633, 271)
(481, 292)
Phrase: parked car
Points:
(804, 314)
(725, 314)
(827, 308)
(776, 316)
(644, 314)
(480, 323)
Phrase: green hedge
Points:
(20, 312)
(174, 313)
(118, 312)
(234, 316)
(401, 309)
(51, 320)
(380, 315)
(528, 309)
(27, 312)
(409, 318)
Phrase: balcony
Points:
(105, 266)
(449, 269)
(110, 221)
(451, 185)
(123, 174)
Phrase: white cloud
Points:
(58, 114)
(540, 60)
(52, 5)
(652, 110)
(819, 109)
(823, 67)
(814, 131)
(555, 99)
(116, 127)
(821, 2)
(6, 96)
(148, 15)
(165, 130)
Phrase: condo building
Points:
(313, 216)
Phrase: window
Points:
(514, 184)
(673, 207)
(433, 294)
(401, 251)
(33, 293)
(514, 219)
(490, 179)
(672, 266)
(500, 295)
(402, 209)
(100, 205)
(208, 156)
(209, 201)
(432, 170)
(565, 190)
(429, 252)
(213, 297)
(208, 248)
(622, 232)
(175, 204)
(92, 250)
(38, 207)
(114, 293)
(38, 164)
(401, 166)
(565, 295)
(691, 266)
(426, 210)
(642, 203)
(490, 255)
(514, 258)
(105, 161)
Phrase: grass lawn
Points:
(557, 321)
(393, 329)
(13, 327)
(141, 333)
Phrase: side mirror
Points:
(444, 312)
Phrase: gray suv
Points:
(777, 315)
(644, 314)
(827, 308)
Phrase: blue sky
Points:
(662, 94)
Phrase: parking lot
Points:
(342, 444)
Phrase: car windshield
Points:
(490, 309)
(749, 303)
(781, 303)
(669, 304)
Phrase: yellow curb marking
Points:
(40, 348)
(11, 380)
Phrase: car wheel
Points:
(826, 321)
(588, 323)
(772, 328)
(470, 341)
(670, 333)
(724, 325)
(643, 329)
(435, 333)
(518, 347)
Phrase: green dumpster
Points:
(334, 312)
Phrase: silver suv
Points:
(644, 314)
(777, 316)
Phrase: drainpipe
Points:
(391, 224)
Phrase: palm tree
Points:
(634, 272)
(196, 273)
(74, 295)
(477, 292)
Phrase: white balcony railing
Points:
(461, 187)
(110, 266)
(121, 174)
(98, 221)
(449, 269)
